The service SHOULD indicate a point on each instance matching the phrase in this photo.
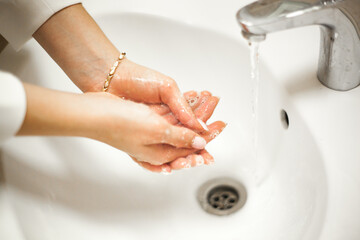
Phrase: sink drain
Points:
(222, 196)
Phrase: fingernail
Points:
(203, 124)
(198, 143)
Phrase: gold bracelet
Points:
(112, 71)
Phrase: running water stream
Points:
(254, 59)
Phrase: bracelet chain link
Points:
(112, 71)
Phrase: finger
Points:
(192, 98)
(195, 99)
(195, 160)
(203, 106)
(191, 94)
(191, 160)
(187, 162)
(164, 168)
(170, 153)
(214, 130)
(208, 159)
(202, 112)
(170, 95)
(206, 109)
(160, 109)
(181, 137)
(206, 93)
(180, 163)
(199, 102)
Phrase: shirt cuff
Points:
(12, 105)
(19, 19)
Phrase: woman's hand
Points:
(74, 40)
(126, 125)
(203, 105)
(152, 136)
(139, 131)
(132, 127)
(141, 84)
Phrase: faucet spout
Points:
(339, 20)
(252, 37)
(267, 16)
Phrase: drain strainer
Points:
(222, 196)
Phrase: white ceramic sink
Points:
(305, 183)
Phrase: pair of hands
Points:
(154, 123)
(160, 127)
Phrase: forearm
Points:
(74, 40)
(54, 113)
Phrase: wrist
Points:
(79, 47)
(99, 116)
(92, 78)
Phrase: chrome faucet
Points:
(339, 20)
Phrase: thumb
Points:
(182, 137)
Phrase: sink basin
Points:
(304, 184)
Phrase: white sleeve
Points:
(19, 19)
(12, 105)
